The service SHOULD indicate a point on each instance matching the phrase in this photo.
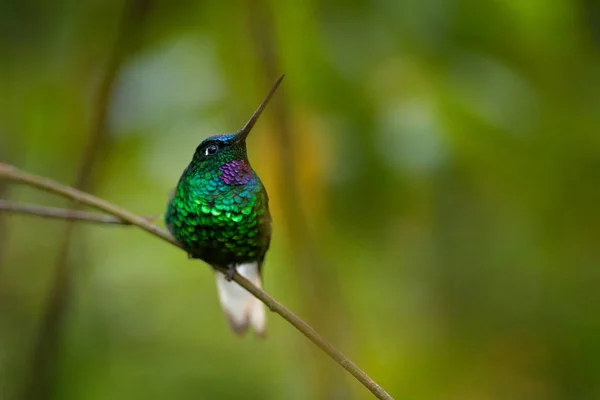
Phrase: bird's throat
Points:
(237, 172)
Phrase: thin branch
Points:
(63, 213)
(12, 173)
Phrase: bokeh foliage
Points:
(436, 206)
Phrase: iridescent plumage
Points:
(219, 213)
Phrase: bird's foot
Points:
(230, 273)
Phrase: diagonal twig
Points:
(63, 213)
(12, 173)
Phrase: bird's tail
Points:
(241, 308)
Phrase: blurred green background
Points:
(434, 174)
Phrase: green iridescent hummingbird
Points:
(219, 213)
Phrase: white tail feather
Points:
(242, 308)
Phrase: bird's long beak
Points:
(243, 133)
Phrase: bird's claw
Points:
(230, 273)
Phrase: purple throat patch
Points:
(236, 172)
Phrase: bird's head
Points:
(228, 151)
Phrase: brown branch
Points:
(63, 214)
(12, 173)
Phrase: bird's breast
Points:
(231, 227)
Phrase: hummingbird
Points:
(219, 213)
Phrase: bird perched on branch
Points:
(219, 213)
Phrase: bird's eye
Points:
(211, 150)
